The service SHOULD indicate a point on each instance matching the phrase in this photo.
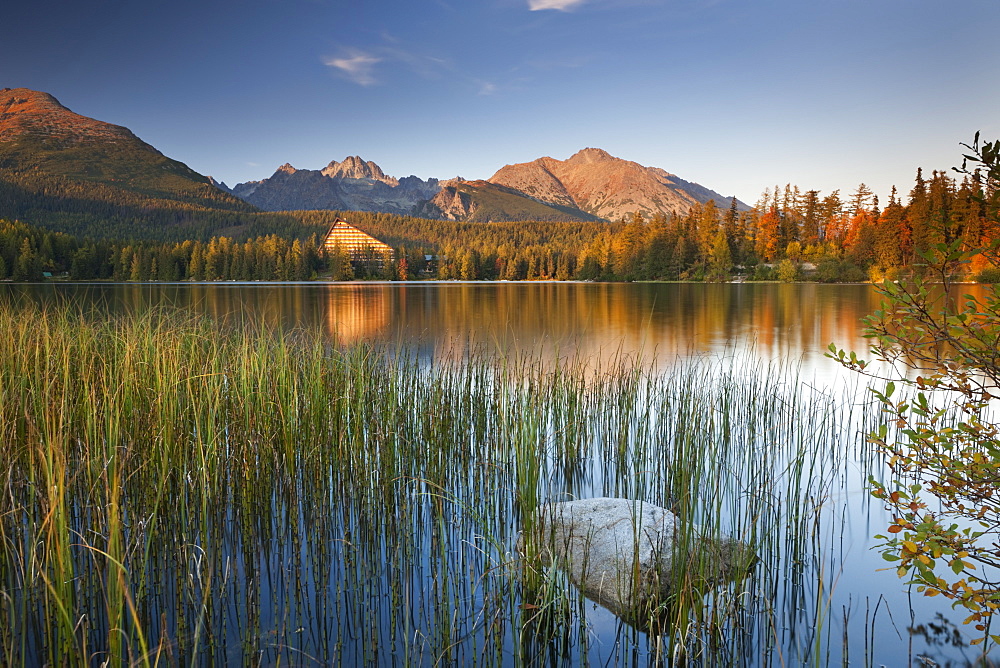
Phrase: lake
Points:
(792, 322)
(400, 548)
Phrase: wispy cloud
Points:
(357, 65)
(561, 5)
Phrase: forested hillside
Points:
(87, 199)
(791, 234)
(70, 173)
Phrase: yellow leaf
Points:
(911, 546)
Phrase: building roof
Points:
(353, 241)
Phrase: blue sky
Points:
(736, 95)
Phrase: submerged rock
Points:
(631, 556)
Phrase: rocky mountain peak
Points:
(354, 167)
(602, 185)
(26, 111)
(351, 185)
(221, 185)
(589, 156)
(591, 184)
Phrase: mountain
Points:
(594, 181)
(351, 185)
(590, 185)
(353, 167)
(485, 202)
(39, 135)
(70, 173)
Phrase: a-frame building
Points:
(354, 242)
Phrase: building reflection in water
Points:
(580, 321)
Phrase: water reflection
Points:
(363, 538)
(791, 322)
(588, 322)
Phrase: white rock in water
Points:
(621, 552)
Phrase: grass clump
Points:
(175, 491)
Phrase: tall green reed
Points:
(174, 490)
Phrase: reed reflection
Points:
(588, 321)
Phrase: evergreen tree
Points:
(196, 266)
(28, 266)
(918, 218)
(340, 265)
(889, 244)
(563, 269)
(861, 199)
(832, 212)
(811, 218)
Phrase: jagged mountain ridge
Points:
(351, 185)
(590, 185)
(51, 157)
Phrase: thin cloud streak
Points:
(561, 5)
(358, 66)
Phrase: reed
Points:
(178, 492)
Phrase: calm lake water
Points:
(867, 616)
(792, 323)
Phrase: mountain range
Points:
(590, 185)
(85, 176)
(351, 185)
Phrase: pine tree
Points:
(832, 217)
(811, 218)
(861, 199)
(918, 218)
(196, 267)
(340, 265)
(889, 243)
(28, 266)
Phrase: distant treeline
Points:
(837, 239)
(27, 253)
(789, 235)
